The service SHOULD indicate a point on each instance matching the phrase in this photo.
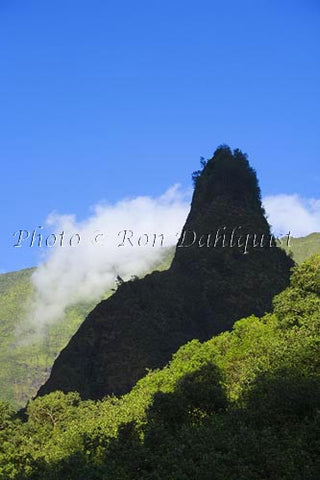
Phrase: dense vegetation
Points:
(244, 405)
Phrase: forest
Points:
(243, 405)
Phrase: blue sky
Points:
(104, 100)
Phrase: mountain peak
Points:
(227, 216)
(227, 174)
(221, 273)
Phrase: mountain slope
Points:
(24, 367)
(203, 293)
(304, 247)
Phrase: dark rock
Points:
(206, 289)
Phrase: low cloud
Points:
(123, 239)
(71, 274)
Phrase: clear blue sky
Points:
(101, 100)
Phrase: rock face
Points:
(225, 268)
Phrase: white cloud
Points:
(292, 213)
(83, 273)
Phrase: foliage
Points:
(244, 405)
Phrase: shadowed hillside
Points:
(24, 368)
(206, 289)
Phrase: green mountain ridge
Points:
(302, 248)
